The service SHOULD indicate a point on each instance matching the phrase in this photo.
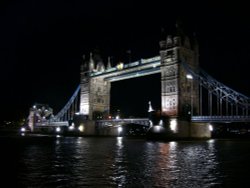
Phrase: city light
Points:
(161, 123)
(81, 128)
(211, 127)
(173, 125)
(23, 129)
(189, 76)
(72, 127)
(157, 129)
(120, 66)
(58, 129)
(119, 129)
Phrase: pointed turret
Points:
(100, 67)
(91, 63)
(150, 109)
(109, 63)
(169, 41)
(187, 43)
(84, 65)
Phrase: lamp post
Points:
(190, 77)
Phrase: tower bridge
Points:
(189, 96)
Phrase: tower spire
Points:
(91, 63)
(84, 65)
(109, 63)
(150, 109)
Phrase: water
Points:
(121, 162)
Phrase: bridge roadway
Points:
(111, 122)
(146, 121)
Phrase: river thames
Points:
(46, 161)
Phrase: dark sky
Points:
(42, 43)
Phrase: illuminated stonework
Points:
(177, 91)
(84, 98)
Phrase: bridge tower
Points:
(179, 91)
(95, 91)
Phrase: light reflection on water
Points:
(121, 162)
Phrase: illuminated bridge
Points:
(188, 93)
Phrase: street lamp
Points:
(190, 77)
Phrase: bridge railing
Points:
(141, 121)
(52, 124)
(220, 119)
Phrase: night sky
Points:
(42, 43)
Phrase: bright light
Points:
(161, 123)
(72, 127)
(173, 125)
(119, 129)
(189, 76)
(120, 66)
(157, 128)
(23, 129)
(34, 106)
(117, 117)
(81, 128)
(211, 141)
(211, 127)
(119, 141)
(58, 129)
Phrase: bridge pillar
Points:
(179, 95)
(179, 91)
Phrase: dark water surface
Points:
(122, 162)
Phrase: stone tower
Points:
(179, 91)
(95, 91)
